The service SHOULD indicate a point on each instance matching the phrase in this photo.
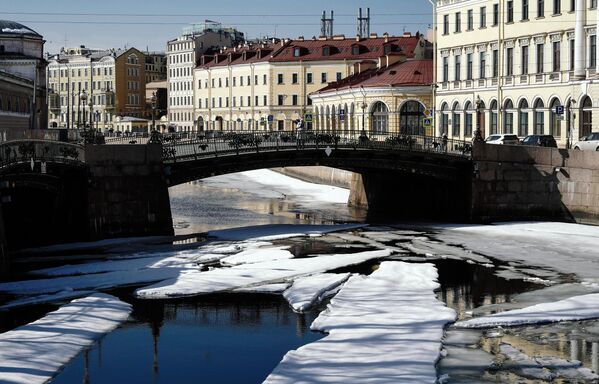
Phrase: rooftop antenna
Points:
(326, 25)
(364, 24)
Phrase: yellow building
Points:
(510, 66)
(267, 86)
(378, 99)
(113, 82)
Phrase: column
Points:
(579, 41)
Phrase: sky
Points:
(150, 24)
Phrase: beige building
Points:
(113, 82)
(155, 66)
(387, 99)
(267, 86)
(22, 81)
(519, 62)
(182, 56)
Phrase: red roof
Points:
(315, 50)
(400, 74)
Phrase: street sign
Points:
(428, 112)
(427, 122)
(342, 114)
(308, 117)
(270, 118)
(559, 110)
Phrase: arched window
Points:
(411, 114)
(132, 59)
(444, 119)
(555, 124)
(539, 117)
(380, 117)
(586, 122)
(468, 119)
(494, 117)
(508, 117)
(523, 118)
(456, 116)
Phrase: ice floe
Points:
(573, 308)
(384, 328)
(35, 352)
(310, 290)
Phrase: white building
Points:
(517, 60)
(182, 55)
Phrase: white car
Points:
(503, 139)
(589, 142)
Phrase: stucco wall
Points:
(519, 182)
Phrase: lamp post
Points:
(83, 99)
(478, 137)
(153, 101)
(97, 119)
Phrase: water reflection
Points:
(215, 339)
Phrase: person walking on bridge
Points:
(301, 134)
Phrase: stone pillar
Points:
(579, 40)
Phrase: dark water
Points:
(216, 339)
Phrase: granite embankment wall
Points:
(521, 182)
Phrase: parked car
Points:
(589, 142)
(503, 139)
(540, 141)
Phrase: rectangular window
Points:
(264, 100)
(469, 66)
(293, 78)
(592, 51)
(241, 81)
(495, 14)
(234, 81)
(540, 57)
(482, 73)
(249, 101)
(458, 22)
(509, 61)
(280, 100)
(524, 9)
(220, 102)
(556, 56)
(323, 77)
(294, 100)
(456, 125)
(241, 101)
(446, 24)
(470, 22)
(540, 8)
(510, 11)
(572, 5)
(309, 79)
(338, 76)
(256, 101)
(557, 7)
(457, 67)
(523, 126)
(445, 69)
(227, 82)
(227, 102)
(234, 101)
(255, 79)
(571, 55)
(483, 17)
(264, 79)
(495, 63)
(524, 59)
(593, 3)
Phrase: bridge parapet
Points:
(184, 147)
(24, 151)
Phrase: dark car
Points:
(540, 141)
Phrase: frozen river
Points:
(291, 285)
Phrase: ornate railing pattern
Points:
(24, 151)
(186, 146)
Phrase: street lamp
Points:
(478, 137)
(153, 104)
(83, 99)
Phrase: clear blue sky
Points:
(151, 23)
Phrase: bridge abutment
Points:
(127, 192)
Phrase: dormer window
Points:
(297, 52)
(326, 51)
(355, 50)
(387, 49)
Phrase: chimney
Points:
(357, 37)
(322, 38)
(339, 37)
(301, 38)
(386, 36)
(407, 34)
(373, 35)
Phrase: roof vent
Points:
(301, 38)
(339, 37)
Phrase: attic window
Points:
(387, 49)
(326, 51)
(297, 52)
(355, 50)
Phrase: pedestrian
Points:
(444, 141)
(301, 135)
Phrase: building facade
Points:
(182, 55)
(22, 80)
(388, 99)
(512, 66)
(267, 86)
(155, 66)
(96, 86)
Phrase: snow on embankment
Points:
(384, 328)
(571, 309)
(35, 352)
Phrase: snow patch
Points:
(310, 290)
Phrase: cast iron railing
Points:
(24, 151)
